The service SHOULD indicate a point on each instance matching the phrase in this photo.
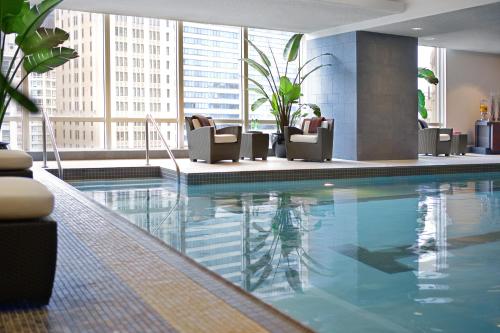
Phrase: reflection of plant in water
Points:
(287, 228)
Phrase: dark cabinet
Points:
(487, 137)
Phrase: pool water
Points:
(400, 254)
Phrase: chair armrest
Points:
(203, 134)
(289, 131)
(448, 131)
(235, 130)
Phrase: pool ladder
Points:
(149, 119)
(46, 124)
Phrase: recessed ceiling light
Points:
(328, 184)
(416, 28)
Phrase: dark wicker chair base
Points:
(28, 253)
(17, 173)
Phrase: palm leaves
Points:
(38, 48)
(283, 93)
(429, 76)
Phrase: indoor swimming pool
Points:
(398, 254)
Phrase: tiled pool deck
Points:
(275, 169)
(113, 277)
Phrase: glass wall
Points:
(143, 55)
(212, 70)
(272, 43)
(427, 57)
(129, 67)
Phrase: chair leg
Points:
(236, 160)
(290, 159)
(193, 160)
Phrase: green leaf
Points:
(258, 103)
(43, 38)
(421, 104)
(263, 56)
(285, 85)
(428, 75)
(30, 19)
(314, 70)
(9, 8)
(289, 91)
(292, 47)
(13, 14)
(17, 96)
(315, 108)
(274, 103)
(258, 67)
(45, 60)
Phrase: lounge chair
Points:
(310, 144)
(28, 242)
(434, 141)
(206, 142)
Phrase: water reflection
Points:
(390, 248)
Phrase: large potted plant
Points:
(281, 91)
(38, 49)
(429, 76)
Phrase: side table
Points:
(459, 144)
(254, 145)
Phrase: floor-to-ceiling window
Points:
(129, 67)
(272, 43)
(429, 57)
(212, 71)
(143, 55)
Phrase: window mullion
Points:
(107, 83)
(180, 84)
(244, 78)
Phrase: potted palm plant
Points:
(37, 49)
(429, 76)
(280, 91)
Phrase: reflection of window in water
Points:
(432, 237)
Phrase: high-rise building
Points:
(212, 61)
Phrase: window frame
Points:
(108, 120)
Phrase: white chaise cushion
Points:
(444, 137)
(24, 198)
(196, 123)
(15, 160)
(225, 138)
(305, 138)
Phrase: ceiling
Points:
(473, 29)
(288, 15)
(472, 25)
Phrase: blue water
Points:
(401, 254)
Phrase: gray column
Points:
(370, 91)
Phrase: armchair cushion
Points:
(201, 121)
(444, 137)
(225, 138)
(314, 123)
(306, 126)
(304, 138)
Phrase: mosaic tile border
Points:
(203, 178)
(109, 173)
(337, 173)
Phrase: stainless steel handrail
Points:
(150, 118)
(47, 124)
